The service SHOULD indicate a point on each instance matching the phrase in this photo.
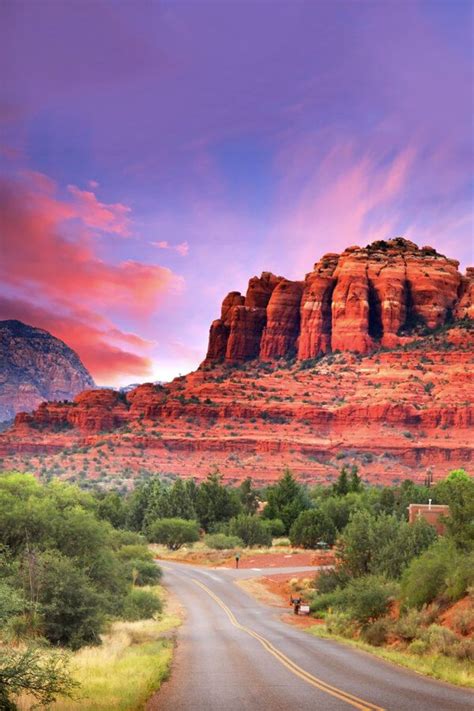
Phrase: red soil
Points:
(393, 413)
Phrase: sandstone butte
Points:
(368, 360)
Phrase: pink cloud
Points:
(114, 218)
(49, 257)
(182, 248)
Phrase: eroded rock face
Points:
(34, 367)
(433, 282)
(365, 298)
(465, 305)
(350, 303)
(316, 317)
(283, 321)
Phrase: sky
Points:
(156, 155)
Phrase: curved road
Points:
(235, 654)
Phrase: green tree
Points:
(311, 527)
(181, 504)
(248, 497)
(173, 532)
(42, 675)
(342, 487)
(457, 490)
(251, 530)
(68, 602)
(214, 502)
(286, 500)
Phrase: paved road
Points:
(235, 654)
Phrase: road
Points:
(235, 654)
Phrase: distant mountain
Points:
(35, 366)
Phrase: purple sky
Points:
(155, 155)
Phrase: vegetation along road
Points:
(235, 653)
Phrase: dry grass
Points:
(453, 671)
(123, 672)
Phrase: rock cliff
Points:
(35, 366)
(357, 301)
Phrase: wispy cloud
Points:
(182, 248)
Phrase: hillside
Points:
(35, 366)
(312, 388)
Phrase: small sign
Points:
(304, 609)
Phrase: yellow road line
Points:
(288, 663)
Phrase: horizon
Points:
(155, 156)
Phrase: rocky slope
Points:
(35, 366)
(369, 360)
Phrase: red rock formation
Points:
(433, 282)
(246, 330)
(465, 305)
(247, 322)
(316, 319)
(220, 328)
(350, 303)
(283, 321)
(364, 298)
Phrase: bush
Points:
(439, 639)
(418, 646)
(71, 607)
(369, 597)
(463, 650)
(173, 532)
(221, 542)
(463, 621)
(42, 676)
(340, 623)
(276, 527)
(141, 605)
(311, 528)
(251, 530)
(375, 633)
(408, 627)
(442, 572)
(143, 572)
(328, 580)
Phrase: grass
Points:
(453, 671)
(122, 673)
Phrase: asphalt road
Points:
(235, 654)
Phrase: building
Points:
(431, 513)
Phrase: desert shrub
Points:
(276, 527)
(251, 530)
(443, 571)
(310, 528)
(221, 542)
(143, 572)
(418, 646)
(334, 599)
(340, 623)
(328, 580)
(376, 632)
(141, 605)
(439, 639)
(282, 543)
(70, 605)
(369, 597)
(173, 532)
(134, 551)
(463, 650)
(42, 676)
(463, 621)
(408, 627)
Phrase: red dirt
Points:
(283, 560)
(393, 413)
